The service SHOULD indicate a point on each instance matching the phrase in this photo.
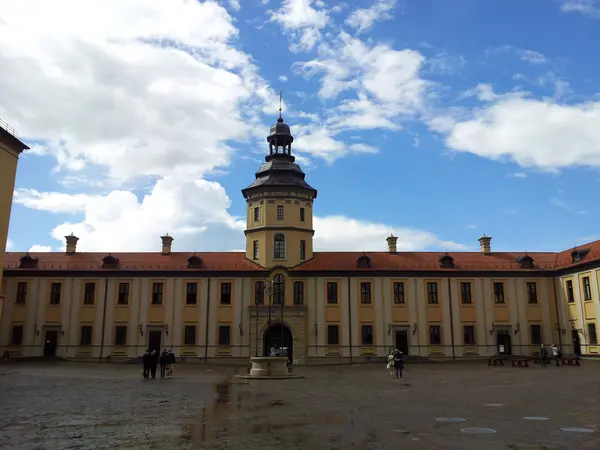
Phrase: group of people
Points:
(545, 360)
(395, 363)
(151, 360)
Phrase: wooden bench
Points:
(495, 362)
(520, 363)
(570, 361)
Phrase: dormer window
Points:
(110, 262)
(363, 262)
(447, 262)
(526, 262)
(29, 262)
(578, 255)
(194, 262)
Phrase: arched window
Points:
(279, 247)
(279, 290)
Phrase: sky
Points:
(437, 121)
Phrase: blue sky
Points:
(437, 121)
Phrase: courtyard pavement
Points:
(436, 406)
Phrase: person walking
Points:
(153, 363)
(556, 354)
(146, 359)
(390, 364)
(399, 363)
(164, 362)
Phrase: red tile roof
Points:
(321, 261)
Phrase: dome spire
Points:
(280, 137)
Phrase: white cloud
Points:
(530, 56)
(588, 7)
(533, 133)
(235, 4)
(517, 175)
(120, 221)
(343, 233)
(40, 249)
(283, 78)
(563, 205)
(302, 22)
(137, 88)
(363, 18)
(470, 227)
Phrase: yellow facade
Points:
(10, 149)
(334, 306)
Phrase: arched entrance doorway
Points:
(273, 338)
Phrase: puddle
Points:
(535, 418)
(578, 430)
(223, 390)
(495, 405)
(450, 419)
(478, 430)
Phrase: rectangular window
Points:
(536, 334)
(592, 335)
(21, 293)
(469, 334)
(224, 335)
(332, 292)
(89, 293)
(55, 289)
(365, 292)
(301, 214)
(333, 335)
(399, 292)
(532, 293)
(570, 293)
(225, 293)
(121, 335)
(255, 251)
(86, 335)
(432, 293)
(367, 334)
(435, 335)
(189, 335)
(465, 293)
(256, 214)
(123, 294)
(17, 335)
(191, 294)
(587, 289)
(157, 293)
(259, 293)
(298, 293)
(279, 212)
(498, 292)
(302, 250)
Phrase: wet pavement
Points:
(437, 406)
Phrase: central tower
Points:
(279, 222)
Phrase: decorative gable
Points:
(110, 262)
(363, 262)
(526, 262)
(29, 262)
(194, 262)
(447, 262)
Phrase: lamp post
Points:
(268, 290)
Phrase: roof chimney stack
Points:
(391, 242)
(71, 244)
(484, 243)
(166, 244)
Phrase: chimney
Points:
(71, 244)
(166, 244)
(484, 243)
(391, 242)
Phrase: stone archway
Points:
(273, 337)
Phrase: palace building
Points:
(10, 149)
(323, 306)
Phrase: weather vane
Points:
(280, 101)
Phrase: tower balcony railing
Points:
(6, 127)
